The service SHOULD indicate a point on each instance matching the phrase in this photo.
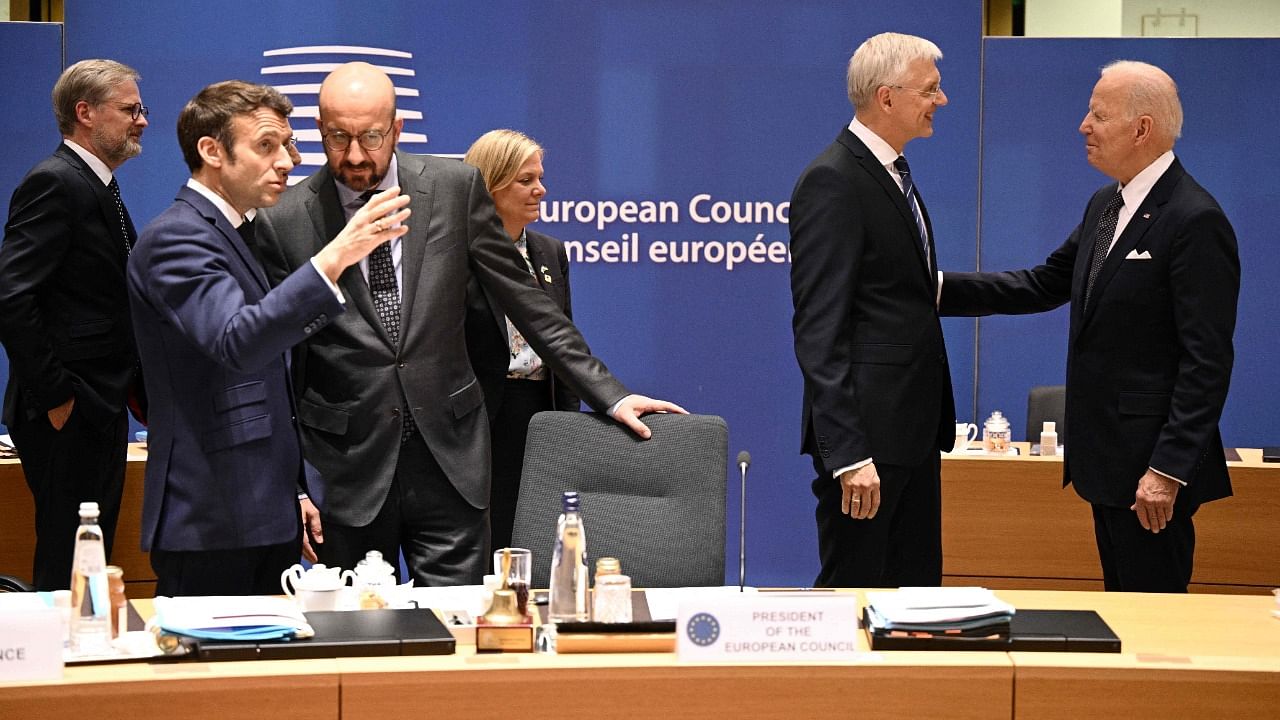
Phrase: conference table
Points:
(1187, 656)
(1007, 522)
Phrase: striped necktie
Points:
(913, 199)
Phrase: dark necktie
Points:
(913, 199)
(247, 233)
(126, 232)
(1102, 238)
(386, 300)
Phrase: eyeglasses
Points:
(339, 141)
(134, 110)
(930, 94)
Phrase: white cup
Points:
(965, 434)
(312, 600)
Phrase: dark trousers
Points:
(508, 429)
(1138, 560)
(239, 571)
(900, 546)
(444, 539)
(63, 468)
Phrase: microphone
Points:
(744, 461)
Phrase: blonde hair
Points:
(883, 60)
(499, 154)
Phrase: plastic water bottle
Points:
(90, 589)
(569, 579)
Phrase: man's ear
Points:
(211, 151)
(84, 113)
(1143, 129)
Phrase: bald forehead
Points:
(357, 87)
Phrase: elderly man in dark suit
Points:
(65, 318)
(392, 414)
(220, 514)
(877, 390)
(1153, 276)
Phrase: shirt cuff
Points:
(854, 466)
(332, 286)
(937, 300)
(1167, 475)
(614, 408)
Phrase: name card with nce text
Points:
(759, 627)
(30, 638)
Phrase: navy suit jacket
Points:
(867, 334)
(1149, 360)
(225, 458)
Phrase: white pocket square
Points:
(1135, 255)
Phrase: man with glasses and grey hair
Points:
(73, 366)
(391, 413)
(1153, 276)
(877, 389)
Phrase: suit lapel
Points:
(219, 221)
(421, 190)
(873, 167)
(106, 203)
(328, 219)
(1143, 218)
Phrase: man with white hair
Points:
(1153, 276)
(877, 389)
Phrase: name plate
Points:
(30, 638)
(758, 627)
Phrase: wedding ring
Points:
(379, 225)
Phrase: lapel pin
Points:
(1146, 216)
(546, 276)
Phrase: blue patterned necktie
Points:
(1102, 238)
(913, 199)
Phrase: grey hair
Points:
(1151, 92)
(88, 80)
(883, 60)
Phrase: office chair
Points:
(658, 505)
(1046, 402)
(9, 583)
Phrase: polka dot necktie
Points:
(386, 301)
(1102, 238)
(126, 226)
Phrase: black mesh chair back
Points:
(9, 583)
(658, 505)
(1046, 402)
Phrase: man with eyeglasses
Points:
(391, 413)
(65, 318)
(877, 389)
(219, 514)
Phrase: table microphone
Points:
(744, 461)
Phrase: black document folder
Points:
(355, 633)
(1029, 630)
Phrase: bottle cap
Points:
(608, 566)
(115, 571)
(569, 501)
(88, 509)
(1050, 426)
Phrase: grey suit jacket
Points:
(350, 378)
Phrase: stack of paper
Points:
(249, 617)
(965, 611)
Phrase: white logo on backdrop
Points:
(301, 82)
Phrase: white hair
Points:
(883, 60)
(1151, 92)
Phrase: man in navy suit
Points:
(65, 319)
(220, 514)
(877, 389)
(1153, 276)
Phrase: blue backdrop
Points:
(696, 104)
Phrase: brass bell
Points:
(504, 610)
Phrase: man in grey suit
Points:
(391, 413)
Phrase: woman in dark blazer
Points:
(515, 381)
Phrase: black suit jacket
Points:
(65, 320)
(349, 377)
(1149, 360)
(487, 340)
(867, 336)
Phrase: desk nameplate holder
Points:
(765, 628)
(30, 639)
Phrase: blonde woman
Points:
(515, 381)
